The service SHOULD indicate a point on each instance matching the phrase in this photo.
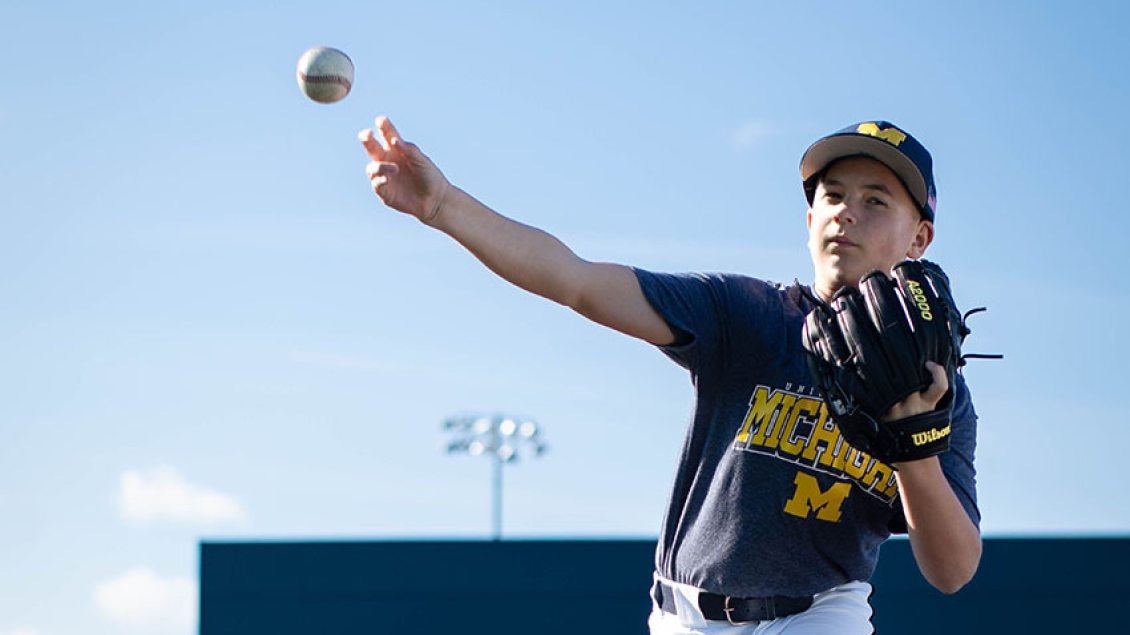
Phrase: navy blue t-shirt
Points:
(768, 499)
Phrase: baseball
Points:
(325, 74)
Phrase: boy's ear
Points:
(922, 239)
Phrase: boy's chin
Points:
(837, 275)
(836, 278)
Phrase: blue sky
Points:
(210, 328)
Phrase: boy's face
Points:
(862, 219)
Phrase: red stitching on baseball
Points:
(325, 79)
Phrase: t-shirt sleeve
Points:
(679, 298)
(702, 310)
(688, 304)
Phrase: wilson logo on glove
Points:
(929, 436)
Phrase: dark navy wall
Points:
(552, 587)
(424, 588)
(1024, 585)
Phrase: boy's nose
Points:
(844, 212)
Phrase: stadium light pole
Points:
(500, 437)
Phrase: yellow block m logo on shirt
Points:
(891, 135)
(809, 498)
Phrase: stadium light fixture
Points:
(500, 437)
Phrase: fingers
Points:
(400, 174)
(924, 401)
(940, 384)
(379, 142)
(388, 131)
(372, 145)
(379, 168)
(379, 145)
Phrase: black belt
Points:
(724, 608)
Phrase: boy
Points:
(774, 523)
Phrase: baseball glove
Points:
(867, 350)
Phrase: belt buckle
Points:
(729, 610)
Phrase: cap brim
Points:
(835, 147)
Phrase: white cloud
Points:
(749, 133)
(141, 599)
(163, 494)
(20, 631)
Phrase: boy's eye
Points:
(876, 201)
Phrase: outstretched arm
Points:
(609, 294)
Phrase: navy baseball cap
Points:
(887, 144)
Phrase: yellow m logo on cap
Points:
(891, 135)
